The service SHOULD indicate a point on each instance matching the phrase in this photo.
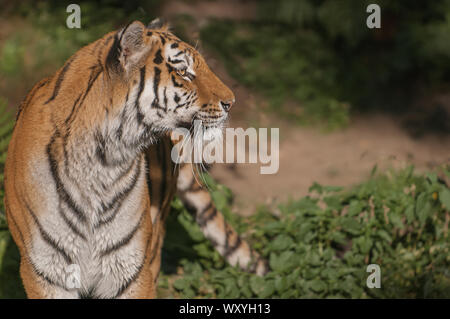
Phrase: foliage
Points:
(281, 67)
(321, 55)
(321, 244)
(10, 285)
(6, 127)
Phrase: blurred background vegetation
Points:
(310, 63)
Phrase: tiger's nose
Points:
(226, 105)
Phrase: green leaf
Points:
(316, 188)
(350, 225)
(423, 207)
(444, 197)
(257, 284)
(268, 289)
(181, 284)
(283, 262)
(317, 285)
(365, 244)
(384, 235)
(281, 283)
(409, 213)
(281, 242)
(338, 237)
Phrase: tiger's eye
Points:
(181, 72)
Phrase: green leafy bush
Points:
(320, 246)
(281, 66)
(10, 285)
(6, 127)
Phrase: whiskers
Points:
(191, 150)
(199, 168)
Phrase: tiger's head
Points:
(169, 83)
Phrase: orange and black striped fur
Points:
(89, 178)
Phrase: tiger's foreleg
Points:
(225, 239)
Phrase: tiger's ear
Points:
(129, 48)
(159, 23)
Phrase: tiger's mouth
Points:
(205, 123)
(214, 121)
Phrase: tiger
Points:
(89, 178)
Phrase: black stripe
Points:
(122, 117)
(71, 224)
(119, 199)
(125, 172)
(33, 266)
(29, 98)
(205, 209)
(125, 240)
(43, 276)
(165, 100)
(201, 219)
(112, 59)
(149, 181)
(100, 151)
(169, 67)
(73, 109)
(127, 284)
(176, 61)
(140, 116)
(124, 193)
(156, 81)
(60, 79)
(158, 57)
(231, 249)
(47, 238)
(92, 78)
(175, 83)
(226, 234)
(62, 192)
